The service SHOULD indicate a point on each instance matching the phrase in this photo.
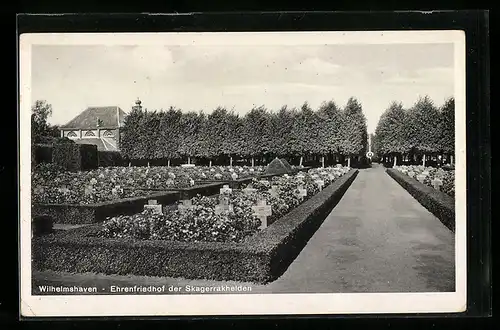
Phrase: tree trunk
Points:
(301, 159)
(451, 160)
(129, 164)
(148, 164)
(253, 162)
(231, 161)
(189, 160)
(423, 160)
(349, 161)
(395, 161)
(168, 163)
(323, 161)
(210, 163)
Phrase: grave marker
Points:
(186, 204)
(225, 189)
(421, 178)
(262, 211)
(154, 206)
(88, 190)
(320, 184)
(249, 190)
(301, 192)
(223, 206)
(274, 191)
(437, 183)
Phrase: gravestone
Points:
(437, 183)
(262, 211)
(234, 176)
(88, 190)
(225, 189)
(249, 190)
(421, 178)
(153, 206)
(301, 192)
(186, 204)
(274, 191)
(223, 206)
(320, 184)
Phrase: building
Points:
(97, 125)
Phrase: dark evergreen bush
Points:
(75, 157)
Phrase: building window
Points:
(108, 134)
(71, 134)
(89, 133)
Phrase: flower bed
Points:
(444, 179)
(438, 203)
(202, 222)
(259, 258)
(52, 185)
(97, 212)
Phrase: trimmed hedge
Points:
(277, 166)
(92, 213)
(42, 225)
(437, 202)
(110, 158)
(42, 153)
(75, 157)
(260, 258)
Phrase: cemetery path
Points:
(377, 239)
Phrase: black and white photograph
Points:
(242, 173)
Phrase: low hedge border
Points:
(437, 202)
(260, 258)
(92, 213)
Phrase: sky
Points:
(200, 77)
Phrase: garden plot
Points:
(240, 234)
(438, 178)
(88, 196)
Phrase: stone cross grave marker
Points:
(437, 183)
(154, 206)
(88, 190)
(186, 204)
(223, 206)
(302, 192)
(273, 191)
(249, 190)
(262, 211)
(320, 183)
(225, 188)
(421, 178)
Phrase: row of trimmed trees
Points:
(289, 132)
(415, 134)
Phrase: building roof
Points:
(109, 117)
(101, 144)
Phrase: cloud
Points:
(317, 65)
(432, 76)
(149, 60)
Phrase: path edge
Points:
(436, 202)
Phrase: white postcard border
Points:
(241, 304)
